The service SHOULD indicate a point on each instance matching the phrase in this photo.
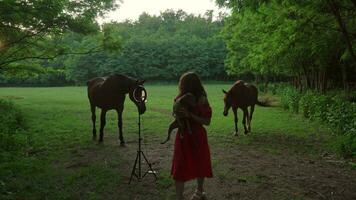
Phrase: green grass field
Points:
(62, 161)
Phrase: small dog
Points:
(186, 101)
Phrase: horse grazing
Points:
(109, 93)
(241, 95)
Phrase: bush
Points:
(332, 109)
(11, 124)
(347, 145)
(342, 115)
(290, 99)
(314, 106)
(273, 88)
(305, 104)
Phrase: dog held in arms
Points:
(186, 101)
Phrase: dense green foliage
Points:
(11, 127)
(331, 109)
(153, 47)
(29, 29)
(311, 41)
(159, 48)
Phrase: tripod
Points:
(139, 155)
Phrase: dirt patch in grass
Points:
(245, 173)
(11, 97)
(241, 171)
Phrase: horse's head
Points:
(228, 100)
(138, 95)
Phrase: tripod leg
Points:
(134, 168)
(149, 165)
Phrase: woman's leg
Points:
(200, 182)
(199, 192)
(179, 190)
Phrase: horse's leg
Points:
(252, 109)
(245, 116)
(93, 119)
(119, 123)
(102, 124)
(234, 110)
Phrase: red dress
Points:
(191, 157)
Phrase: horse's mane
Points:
(118, 81)
(236, 84)
(239, 82)
(124, 77)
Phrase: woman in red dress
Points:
(191, 159)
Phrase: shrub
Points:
(341, 114)
(11, 124)
(261, 88)
(314, 106)
(305, 104)
(347, 145)
(332, 109)
(273, 88)
(290, 99)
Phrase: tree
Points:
(156, 48)
(309, 40)
(26, 24)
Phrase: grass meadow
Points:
(60, 160)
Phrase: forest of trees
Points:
(313, 42)
(153, 47)
(310, 43)
(31, 34)
(156, 48)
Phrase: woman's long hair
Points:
(190, 82)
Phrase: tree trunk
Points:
(344, 76)
(257, 79)
(307, 78)
(335, 9)
(354, 2)
(321, 81)
(299, 84)
(266, 80)
(325, 82)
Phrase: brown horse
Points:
(109, 93)
(241, 95)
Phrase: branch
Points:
(326, 27)
(22, 47)
(21, 39)
(44, 57)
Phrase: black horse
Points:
(109, 93)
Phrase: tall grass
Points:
(332, 109)
(12, 126)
